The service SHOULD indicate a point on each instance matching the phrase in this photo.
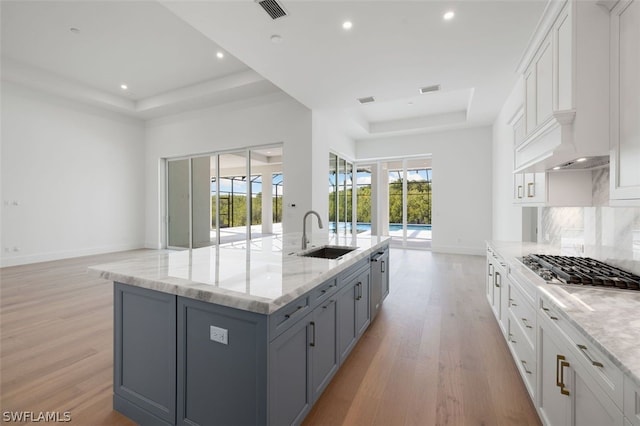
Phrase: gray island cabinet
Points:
(180, 360)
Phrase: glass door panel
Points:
(234, 197)
(333, 193)
(178, 214)
(201, 170)
(363, 201)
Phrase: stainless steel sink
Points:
(328, 252)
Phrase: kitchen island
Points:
(246, 333)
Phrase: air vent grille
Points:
(273, 8)
(428, 89)
(367, 100)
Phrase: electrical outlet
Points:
(220, 335)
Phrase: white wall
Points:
(462, 185)
(507, 217)
(266, 120)
(76, 174)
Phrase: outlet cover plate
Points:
(220, 335)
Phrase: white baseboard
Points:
(46, 257)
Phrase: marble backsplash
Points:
(611, 234)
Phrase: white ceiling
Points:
(165, 53)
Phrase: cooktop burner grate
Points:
(581, 271)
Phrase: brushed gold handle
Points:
(524, 365)
(531, 190)
(583, 348)
(560, 365)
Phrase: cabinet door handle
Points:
(524, 365)
(382, 266)
(313, 334)
(520, 191)
(512, 303)
(583, 348)
(498, 279)
(287, 316)
(511, 338)
(560, 365)
(531, 190)
(359, 291)
(490, 270)
(549, 315)
(526, 323)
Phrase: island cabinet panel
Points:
(325, 346)
(290, 375)
(145, 354)
(224, 382)
(353, 308)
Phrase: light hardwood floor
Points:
(433, 356)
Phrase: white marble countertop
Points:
(260, 275)
(607, 317)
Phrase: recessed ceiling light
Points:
(366, 100)
(557, 168)
(428, 89)
(124, 86)
(347, 25)
(276, 38)
(74, 30)
(448, 15)
(220, 55)
(580, 160)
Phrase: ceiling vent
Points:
(273, 8)
(434, 88)
(367, 100)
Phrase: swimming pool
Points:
(362, 227)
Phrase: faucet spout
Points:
(305, 241)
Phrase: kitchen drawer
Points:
(525, 286)
(632, 401)
(287, 316)
(347, 276)
(599, 366)
(523, 354)
(523, 312)
(323, 292)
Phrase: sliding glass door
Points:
(340, 195)
(220, 198)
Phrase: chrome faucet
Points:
(305, 241)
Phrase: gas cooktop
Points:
(580, 271)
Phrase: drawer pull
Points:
(327, 289)
(560, 365)
(497, 279)
(526, 323)
(511, 338)
(512, 303)
(583, 348)
(328, 304)
(524, 365)
(359, 291)
(549, 315)
(287, 316)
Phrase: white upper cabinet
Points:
(625, 103)
(565, 73)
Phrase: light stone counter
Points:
(609, 318)
(260, 276)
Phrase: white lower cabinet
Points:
(631, 402)
(568, 392)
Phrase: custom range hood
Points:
(565, 81)
(567, 141)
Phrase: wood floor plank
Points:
(433, 356)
